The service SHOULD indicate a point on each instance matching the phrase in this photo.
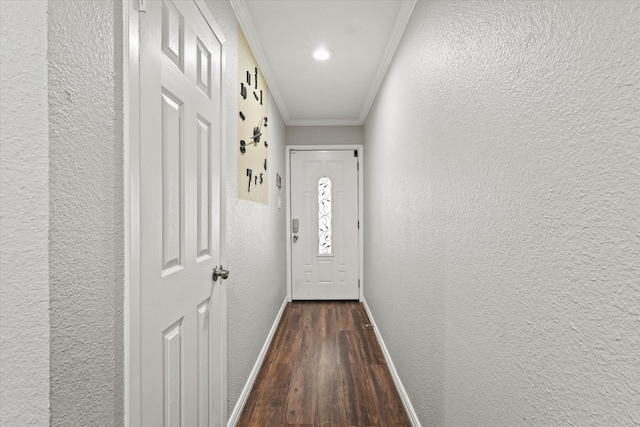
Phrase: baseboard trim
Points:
(413, 417)
(242, 400)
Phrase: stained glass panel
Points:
(324, 216)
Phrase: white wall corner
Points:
(402, 19)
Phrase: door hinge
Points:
(358, 225)
(355, 153)
(358, 166)
(142, 6)
(358, 283)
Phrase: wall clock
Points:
(252, 143)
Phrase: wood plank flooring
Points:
(324, 368)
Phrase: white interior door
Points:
(181, 308)
(324, 225)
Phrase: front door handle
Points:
(220, 272)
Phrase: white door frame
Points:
(359, 147)
(131, 112)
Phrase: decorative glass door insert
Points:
(324, 216)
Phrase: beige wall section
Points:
(255, 231)
(324, 135)
(502, 197)
(254, 113)
(24, 215)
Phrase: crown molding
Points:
(244, 19)
(247, 25)
(325, 122)
(402, 19)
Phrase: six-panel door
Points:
(180, 143)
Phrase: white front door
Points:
(181, 333)
(324, 225)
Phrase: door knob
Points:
(221, 272)
(295, 238)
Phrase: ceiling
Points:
(361, 34)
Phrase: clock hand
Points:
(254, 138)
(257, 132)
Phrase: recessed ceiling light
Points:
(321, 54)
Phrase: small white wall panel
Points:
(171, 181)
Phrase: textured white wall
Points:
(324, 135)
(24, 215)
(255, 232)
(86, 215)
(502, 200)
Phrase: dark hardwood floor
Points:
(324, 368)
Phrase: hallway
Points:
(324, 368)
(500, 225)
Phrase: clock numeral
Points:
(243, 91)
(261, 180)
(242, 116)
(249, 78)
(265, 144)
(265, 164)
(243, 146)
(249, 174)
(255, 95)
(256, 178)
(260, 96)
(256, 75)
(265, 121)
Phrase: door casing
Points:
(132, 275)
(360, 150)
